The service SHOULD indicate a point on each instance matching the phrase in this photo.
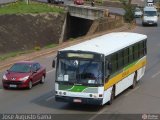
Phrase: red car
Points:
(79, 2)
(24, 74)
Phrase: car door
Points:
(39, 71)
(35, 75)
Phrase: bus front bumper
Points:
(91, 101)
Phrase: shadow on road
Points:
(47, 100)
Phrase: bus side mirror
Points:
(53, 63)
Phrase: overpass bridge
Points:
(87, 12)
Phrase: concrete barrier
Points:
(106, 23)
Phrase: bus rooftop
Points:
(108, 43)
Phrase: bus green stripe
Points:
(72, 88)
(65, 87)
(78, 88)
(130, 65)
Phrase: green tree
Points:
(129, 10)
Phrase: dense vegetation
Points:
(129, 10)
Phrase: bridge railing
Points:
(87, 12)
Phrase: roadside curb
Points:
(44, 52)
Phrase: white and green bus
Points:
(95, 71)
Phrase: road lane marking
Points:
(50, 71)
(155, 75)
(99, 113)
(48, 99)
(132, 91)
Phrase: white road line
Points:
(153, 76)
(132, 91)
(102, 111)
(50, 71)
(99, 113)
(48, 99)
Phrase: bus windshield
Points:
(79, 71)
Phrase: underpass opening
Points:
(77, 27)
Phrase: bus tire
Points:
(134, 81)
(112, 96)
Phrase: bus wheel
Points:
(134, 81)
(112, 96)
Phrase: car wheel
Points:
(42, 80)
(30, 85)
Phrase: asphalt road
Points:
(145, 98)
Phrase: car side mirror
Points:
(53, 64)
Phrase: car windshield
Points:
(19, 67)
(80, 71)
(150, 13)
(137, 10)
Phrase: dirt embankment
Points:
(25, 32)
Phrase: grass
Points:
(50, 46)
(15, 54)
(32, 7)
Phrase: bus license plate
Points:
(13, 86)
(77, 100)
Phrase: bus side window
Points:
(120, 59)
(141, 49)
(130, 54)
(107, 70)
(136, 56)
(114, 62)
(126, 58)
(145, 47)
